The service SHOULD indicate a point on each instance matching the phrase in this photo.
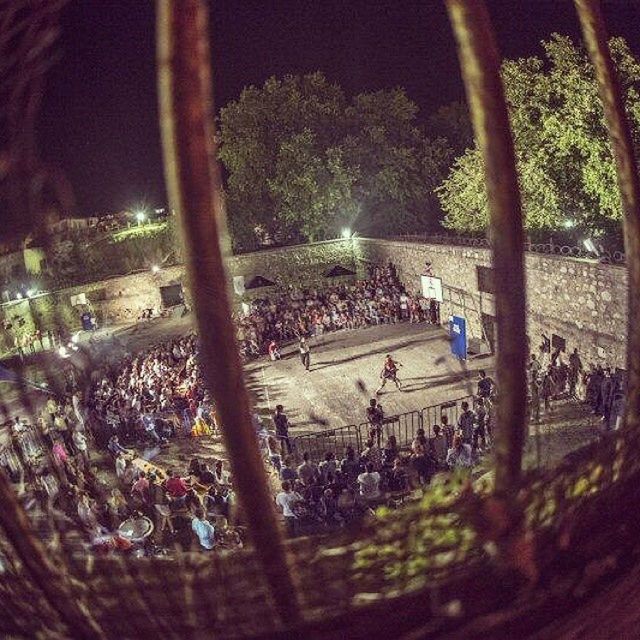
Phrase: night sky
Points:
(99, 118)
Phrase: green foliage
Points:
(453, 123)
(303, 161)
(77, 261)
(564, 160)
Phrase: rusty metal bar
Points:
(595, 36)
(480, 63)
(195, 192)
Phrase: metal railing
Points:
(549, 248)
(404, 426)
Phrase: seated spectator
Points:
(349, 466)
(369, 482)
(176, 487)
(372, 455)
(390, 452)
(115, 448)
(328, 466)
(397, 478)
(459, 456)
(203, 529)
(206, 476)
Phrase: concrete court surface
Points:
(345, 370)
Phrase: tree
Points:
(452, 122)
(302, 161)
(565, 165)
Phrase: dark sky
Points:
(99, 118)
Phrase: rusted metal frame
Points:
(595, 37)
(195, 192)
(51, 580)
(480, 64)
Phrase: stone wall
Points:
(582, 301)
(122, 298)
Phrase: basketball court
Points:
(345, 372)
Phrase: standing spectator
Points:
(485, 385)
(447, 430)
(287, 500)
(305, 354)
(375, 417)
(281, 423)
(372, 455)
(80, 444)
(479, 430)
(438, 447)
(575, 369)
(307, 471)
(466, 422)
(534, 398)
(140, 488)
(328, 467)
(349, 465)
(546, 390)
(274, 351)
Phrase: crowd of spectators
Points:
(379, 299)
(338, 491)
(552, 376)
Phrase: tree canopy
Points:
(303, 160)
(565, 164)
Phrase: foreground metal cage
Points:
(509, 559)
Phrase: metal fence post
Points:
(195, 191)
(594, 31)
(480, 64)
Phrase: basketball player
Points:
(389, 372)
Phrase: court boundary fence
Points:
(404, 426)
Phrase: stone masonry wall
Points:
(580, 300)
(122, 298)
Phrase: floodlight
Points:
(346, 232)
(140, 216)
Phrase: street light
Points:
(155, 268)
(346, 232)
(141, 216)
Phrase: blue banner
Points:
(458, 336)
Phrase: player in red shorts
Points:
(389, 372)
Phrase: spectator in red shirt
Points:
(176, 487)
